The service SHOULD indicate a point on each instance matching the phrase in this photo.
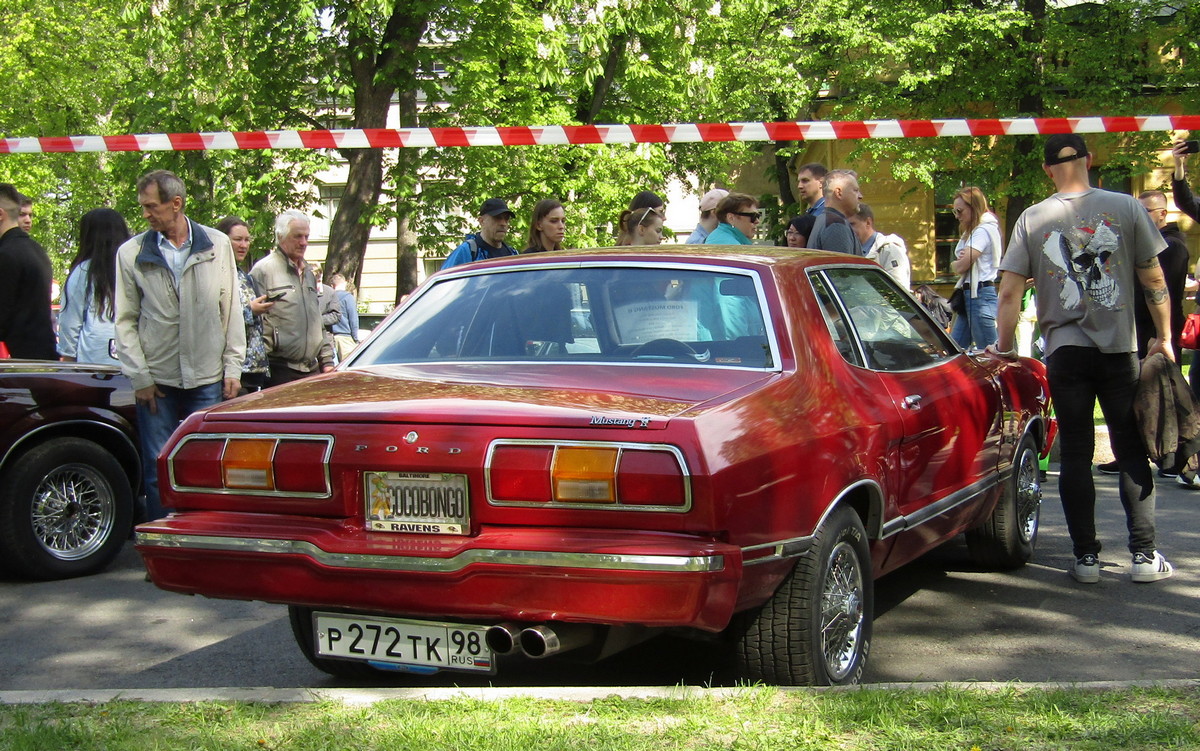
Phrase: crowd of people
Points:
(177, 308)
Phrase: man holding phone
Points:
(295, 337)
(1179, 186)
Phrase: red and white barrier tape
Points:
(539, 135)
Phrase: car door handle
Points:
(912, 401)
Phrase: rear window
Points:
(595, 314)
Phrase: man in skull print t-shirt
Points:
(1082, 248)
(1089, 251)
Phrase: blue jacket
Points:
(475, 248)
(726, 234)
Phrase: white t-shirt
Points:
(983, 240)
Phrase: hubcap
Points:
(73, 512)
(1029, 496)
(842, 611)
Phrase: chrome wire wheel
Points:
(1029, 496)
(842, 613)
(73, 512)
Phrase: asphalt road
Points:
(940, 619)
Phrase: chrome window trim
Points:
(425, 564)
(619, 445)
(326, 438)
(467, 270)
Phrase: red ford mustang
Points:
(571, 451)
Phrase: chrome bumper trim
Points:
(596, 561)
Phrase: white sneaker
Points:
(1191, 483)
(1150, 568)
(1085, 569)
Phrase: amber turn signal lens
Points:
(247, 463)
(585, 474)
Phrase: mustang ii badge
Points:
(621, 422)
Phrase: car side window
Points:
(895, 333)
(836, 322)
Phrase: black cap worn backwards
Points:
(1060, 141)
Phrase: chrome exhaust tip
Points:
(503, 638)
(542, 641)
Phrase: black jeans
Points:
(1078, 377)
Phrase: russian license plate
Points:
(429, 503)
(402, 642)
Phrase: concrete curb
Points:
(367, 696)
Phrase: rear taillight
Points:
(598, 475)
(252, 465)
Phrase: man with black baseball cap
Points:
(494, 217)
(1087, 250)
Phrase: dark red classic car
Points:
(69, 467)
(572, 451)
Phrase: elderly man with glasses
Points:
(832, 231)
(738, 217)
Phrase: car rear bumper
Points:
(524, 574)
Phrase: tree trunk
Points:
(375, 66)
(407, 263)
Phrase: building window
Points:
(945, 224)
(331, 196)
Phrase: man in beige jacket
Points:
(293, 330)
(180, 335)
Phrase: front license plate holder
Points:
(430, 503)
(426, 646)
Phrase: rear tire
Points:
(816, 629)
(66, 508)
(302, 629)
(1007, 539)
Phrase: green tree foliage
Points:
(88, 67)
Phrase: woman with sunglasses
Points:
(738, 216)
(976, 261)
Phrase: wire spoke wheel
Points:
(73, 512)
(66, 508)
(842, 612)
(1006, 539)
(1029, 496)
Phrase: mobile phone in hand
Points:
(1191, 147)
(275, 297)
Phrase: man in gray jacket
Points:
(295, 337)
(179, 329)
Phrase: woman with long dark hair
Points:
(548, 228)
(255, 369)
(85, 322)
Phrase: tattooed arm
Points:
(1154, 285)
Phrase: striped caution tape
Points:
(547, 135)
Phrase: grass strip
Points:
(756, 718)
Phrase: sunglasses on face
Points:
(753, 216)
